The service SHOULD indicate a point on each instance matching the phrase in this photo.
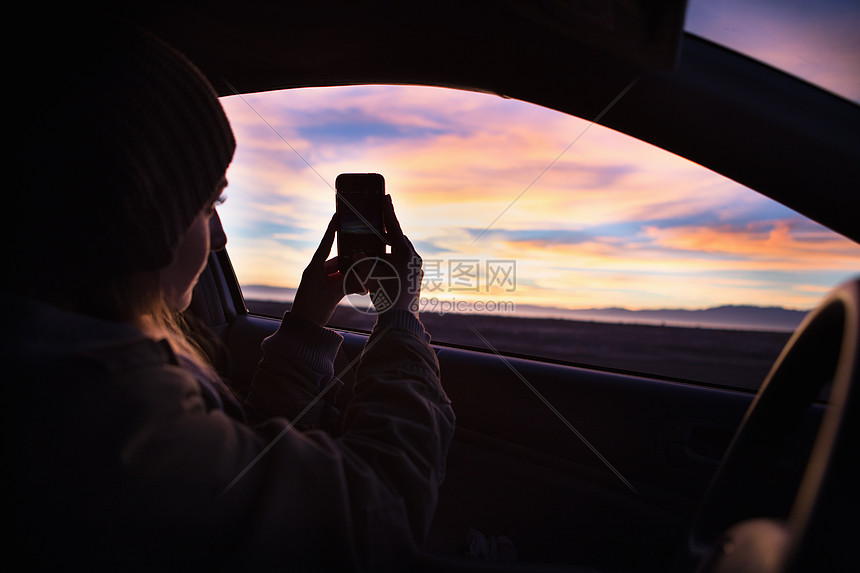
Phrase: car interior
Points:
(561, 466)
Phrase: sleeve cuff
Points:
(306, 341)
(402, 320)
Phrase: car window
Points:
(816, 41)
(543, 235)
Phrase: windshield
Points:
(816, 41)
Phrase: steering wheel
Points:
(749, 519)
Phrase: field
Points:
(736, 358)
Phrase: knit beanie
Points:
(122, 141)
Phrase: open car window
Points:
(590, 246)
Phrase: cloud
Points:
(772, 245)
(543, 237)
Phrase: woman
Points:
(130, 450)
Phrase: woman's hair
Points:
(139, 299)
(165, 323)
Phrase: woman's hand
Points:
(322, 285)
(403, 290)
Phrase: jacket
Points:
(125, 459)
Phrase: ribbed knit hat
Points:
(122, 142)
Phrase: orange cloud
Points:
(777, 247)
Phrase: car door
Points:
(551, 462)
(582, 439)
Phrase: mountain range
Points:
(744, 317)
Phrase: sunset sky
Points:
(475, 178)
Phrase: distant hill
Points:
(770, 318)
(735, 316)
(268, 293)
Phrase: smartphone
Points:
(359, 206)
